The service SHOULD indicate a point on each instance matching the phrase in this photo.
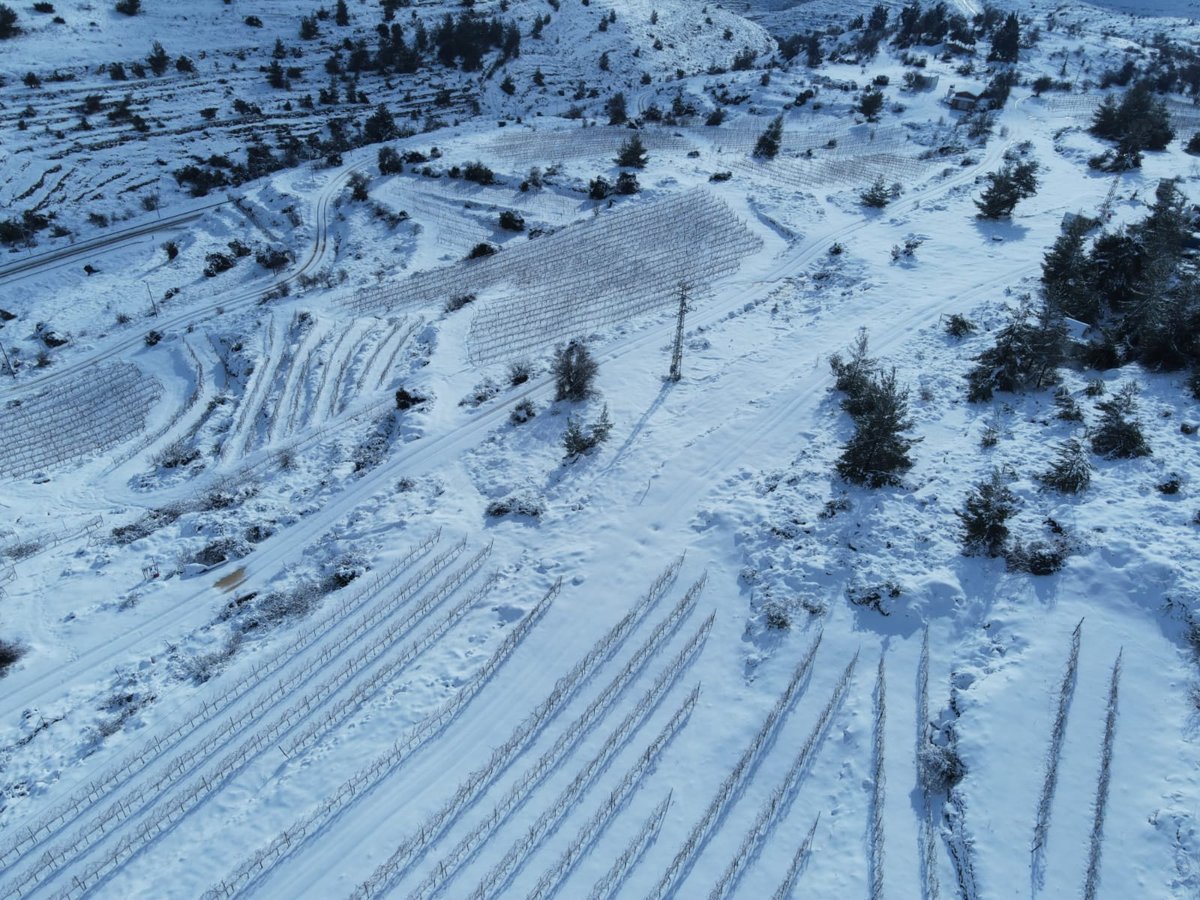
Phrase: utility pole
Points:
(677, 350)
(153, 305)
(1106, 207)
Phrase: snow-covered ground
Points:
(285, 635)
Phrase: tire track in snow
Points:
(236, 441)
(289, 397)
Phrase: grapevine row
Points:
(295, 837)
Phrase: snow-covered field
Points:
(307, 599)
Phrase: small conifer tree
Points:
(985, 514)
(632, 154)
(574, 371)
(769, 142)
(878, 452)
(1071, 471)
(1119, 433)
(1006, 187)
(878, 195)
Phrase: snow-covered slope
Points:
(309, 600)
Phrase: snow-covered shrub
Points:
(776, 616)
(204, 666)
(176, 454)
(871, 596)
(458, 301)
(280, 606)
(522, 412)
(627, 184)
(370, 453)
(1037, 557)
(221, 550)
(939, 768)
(515, 505)
(217, 263)
(406, 399)
(481, 393)
(389, 161)
(1119, 433)
(519, 372)
(360, 186)
(479, 173)
(10, 653)
(1068, 409)
(1071, 471)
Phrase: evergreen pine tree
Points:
(632, 154)
(813, 56)
(871, 103)
(1006, 40)
(770, 140)
(1067, 274)
(8, 22)
(158, 59)
(616, 110)
(878, 195)
(852, 374)
(878, 451)
(574, 371)
(380, 126)
(985, 514)
(1006, 187)
(1026, 354)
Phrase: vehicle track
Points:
(37, 261)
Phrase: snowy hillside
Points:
(596, 449)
